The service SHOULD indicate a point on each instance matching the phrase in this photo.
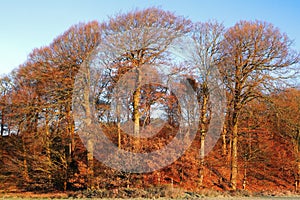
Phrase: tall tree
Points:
(202, 54)
(42, 101)
(252, 52)
(137, 39)
(69, 51)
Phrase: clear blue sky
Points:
(28, 24)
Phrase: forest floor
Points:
(43, 196)
(205, 198)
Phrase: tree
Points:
(137, 39)
(202, 55)
(286, 113)
(252, 52)
(41, 105)
(69, 52)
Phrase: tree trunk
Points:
(297, 181)
(147, 119)
(202, 151)
(25, 164)
(203, 131)
(229, 152)
(48, 145)
(234, 156)
(245, 176)
(71, 129)
(2, 122)
(136, 113)
(89, 126)
(25, 172)
(297, 151)
(223, 136)
(90, 161)
(147, 109)
(119, 134)
(119, 124)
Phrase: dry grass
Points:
(159, 193)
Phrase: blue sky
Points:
(29, 24)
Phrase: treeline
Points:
(259, 142)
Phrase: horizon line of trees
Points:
(253, 61)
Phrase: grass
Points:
(159, 193)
